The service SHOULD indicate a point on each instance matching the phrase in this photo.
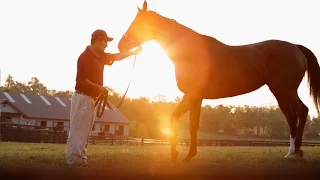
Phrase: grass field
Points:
(154, 161)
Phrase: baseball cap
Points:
(101, 34)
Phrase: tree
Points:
(37, 87)
(9, 82)
(67, 94)
(150, 117)
(22, 88)
(159, 98)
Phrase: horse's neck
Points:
(213, 42)
(173, 35)
(180, 41)
(184, 45)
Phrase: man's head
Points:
(100, 39)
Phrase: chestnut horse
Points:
(209, 69)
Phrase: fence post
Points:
(142, 139)
(65, 136)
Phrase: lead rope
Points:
(103, 98)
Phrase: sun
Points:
(153, 50)
(166, 131)
(154, 73)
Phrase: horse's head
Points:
(140, 30)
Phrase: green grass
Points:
(155, 160)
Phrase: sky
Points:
(45, 38)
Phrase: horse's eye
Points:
(146, 26)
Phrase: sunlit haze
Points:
(44, 39)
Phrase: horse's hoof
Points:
(300, 153)
(174, 155)
(295, 155)
(290, 155)
(186, 160)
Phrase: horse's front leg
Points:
(178, 112)
(195, 109)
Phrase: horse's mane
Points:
(174, 22)
(184, 28)
(210, 38)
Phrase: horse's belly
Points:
(233, 85)
(192, 79)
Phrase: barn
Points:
(52, 111)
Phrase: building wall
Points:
(7, 108)
(98, 127)
(126, 130)
(50, 123)
(37, 122)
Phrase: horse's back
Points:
(273, 54)
(285, 62)
(245, 68)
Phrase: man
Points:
(89, 84)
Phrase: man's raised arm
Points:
(110, 58)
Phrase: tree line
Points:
(149, 118)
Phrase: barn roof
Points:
(52, 107)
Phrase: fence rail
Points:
(27, 134)
(33, 135)
(131, 141)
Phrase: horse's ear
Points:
(145, 5)
(138, 9)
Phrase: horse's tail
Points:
(313, 75)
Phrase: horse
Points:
(206, 68)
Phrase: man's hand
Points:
(121, 56)
(137, 51)
(103, 90)
(88, 84)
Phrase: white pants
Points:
(82, 116)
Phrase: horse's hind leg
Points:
(302, 111)
(290, 105)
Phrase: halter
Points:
(132, 40)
